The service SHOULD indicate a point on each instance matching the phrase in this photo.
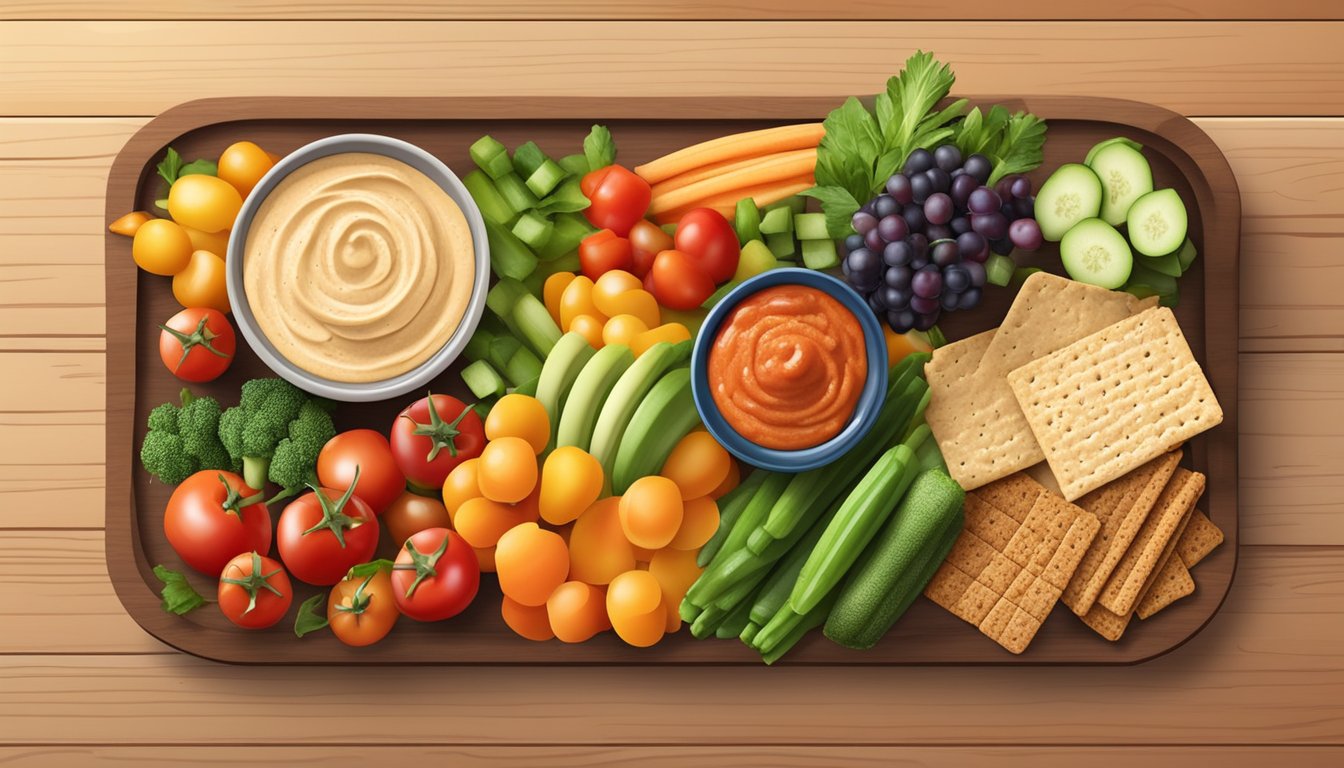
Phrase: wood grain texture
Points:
(1268, 670)
(747, 10)
(142, 68)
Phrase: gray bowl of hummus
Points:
(358, 267)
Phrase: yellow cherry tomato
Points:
(242, 164)
(214, 242)
(577, 611)
(576, 300)
(675, 571)
(460, 485)
(529, 621)
(598, 549)
(590, 328)
(129, 224)
(202, 283)
(672, 333)
(519, 416)
(729, 483)
(651, 512)
(622, 329)
(508, 470)
(699, 521)
(610, 285)
(635, 608)
(207, 203)
(480, 521)
(552, 290)
(697, 464)
(531, 563)
(638, 302)
(161, 247)
(571, 480)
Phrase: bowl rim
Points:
(438, 172)
(865, 411)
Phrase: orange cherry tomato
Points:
(678, 282)
(604, 251)
(647, 240)
(362, 610)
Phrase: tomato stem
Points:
(234, 502)
(334, 518)
(422, 564)
(254, 583)
(359, 602)
(440, 433)
(201, 337)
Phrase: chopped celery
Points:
(810, 226)
(522, 367)
(535, 324)
(502, 349)
(546, 178)
(999, 269)
(478, 346)
(533, 229)
(503, 296)
(782, 245)
(820, 254)
(509, 257)
(516, 193)
(754, 259)
(493, 206)
(777, 222)
(575, 164)
(527, 158)
(794, 204)
(482, 379)
(491, 156)
(747, 221)
(567, 263)
(570, 229)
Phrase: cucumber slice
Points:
(1071, 194)
(1100, 145)
(1157, 223)
(1186, 256)
(1094, 252)
(1125, 177)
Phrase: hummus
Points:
(358, 267)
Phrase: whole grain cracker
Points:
(957, 359)
(1121, 506)
(1012, 559)
(1111, 625)
(1200, 538)
(1108, 403)
(1173, 583)
(1159, 534)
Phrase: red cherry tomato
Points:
(647, 240)
(209, 520)
(197, 344)
(429, 443)
(254, 591)
(320, 537)
(678, 282)
(604, 251)
(367, 452)
(618, 198)
(707, 237)
(436, 575)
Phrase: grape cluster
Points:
(920, 249)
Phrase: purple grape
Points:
(918, 264)
(982, 200)
(944, 253)
(956, 279)
(939, 178)
(901, 321)
(894, 298)
(853, 241)
(958, 172)
(1004, 188)
(961, 189)
(938, 232)
(1002, 246)
(947, 157)
(927, 320)
(898, 277)
(979, 167)
(919, 243)
(1020, 188)
(867, 208)
(897, 254)
(922, 305)
(960, 225)
(876, 303)
(991, 225)
(914, 218)
(919, 161)
(898, 187)
(948, 301)
(884, 206)
(892, 227)
(844, 267)
(1025, 234)
(970, 243)
(976, 270)
(863, 222)
(980, 256)
(1022, 208)
(938, 209)
(920, 188)
(863, 261)
(969, 299)
(927, 283)
(873, 239)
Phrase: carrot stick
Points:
(775, 169)
(726, 202)
(752, 143)
(728, 167)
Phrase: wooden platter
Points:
(1182, 157)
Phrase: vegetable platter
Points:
(1182, 158)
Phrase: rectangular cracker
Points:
(972, 412)
(1200, 538)
(1173, 583)
(1111, 625)
(1107, 404)
(1008, 566)
(1121, 506)
(1159, 533)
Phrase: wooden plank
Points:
(765, 756)
(671, 10)
(1217, 68)
(1269, 669)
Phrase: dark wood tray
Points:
(1182, 156)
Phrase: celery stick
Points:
(570, 229)
(483, 380)
(491, 156)
(777, 222)
(820, 254)
(546, 178)
(782, 245)
(509, 257)
(535, 324)
(810, 226)
(492, 204)
(516, 193)
(527, 158)
(522, 367)
(478, 346)
(533, 230)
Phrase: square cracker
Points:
(1158, 535)
(1122, 506)
(1173, 583)
(1115, 400)
(1008, 566)
(972, 412)
(1200, 538)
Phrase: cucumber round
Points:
(1125, 177)
(1100, 145)
(1157, 223)
(1094, 252)
(1071, 194)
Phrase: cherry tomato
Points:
(254, 591)
(197, 344)
(707, 237)
(362, 610)
(678, 282)
(429, 442)
(212, 517)
(436, 575)
(161, 247)
(618, 198)
(323, 534)
(202, 283)
(412, 513)
(366, 452)
(604, 251)
(242, 164)
(647, 240)
(519, 416)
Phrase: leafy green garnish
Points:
(369, 568)
(310, 619)
(566, 198)
(838, 205)
(200, 166)
(1012, 142)
(171, 168)
(177, 595)
(599, 147)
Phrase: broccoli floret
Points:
(276, 432)
(183, 440)
(294, 464)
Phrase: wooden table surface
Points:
(80, 683)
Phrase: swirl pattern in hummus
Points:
(358, 267)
